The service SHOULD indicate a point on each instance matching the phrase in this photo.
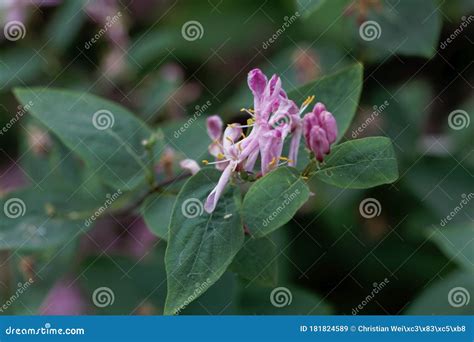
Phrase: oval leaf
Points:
(273, 200)
(201, 246)
(360, 164)
(107, 136)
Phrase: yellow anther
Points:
(304, 177)
(286, 159)
(273, 162)
(251, 110)
(231, 125)
(308, 100)
(250, 121)
(205, 162)
(220, 156)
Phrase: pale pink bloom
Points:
(273, 119)
(190, 165)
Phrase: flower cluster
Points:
(273, 118)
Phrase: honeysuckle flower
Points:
(273, 119)
(320, 131)
(190, 165)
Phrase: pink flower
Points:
(190, 165)
(273, 119)
(320, 131)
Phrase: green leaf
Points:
(257, 261)
(449, 296)
(359, 164)
(406, 31)
(107, 136)
(457, 243)
(156, 211)
(273, 200)
(201, 246)
(307, 7)
(281, 300)
(340, 93)
(36, 218)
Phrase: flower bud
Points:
(214, 127)
(257, 82)
(318, 142)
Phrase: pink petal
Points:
(190, 165)
(319, 143)
(213, 198)
(328, 122)
(214, 127)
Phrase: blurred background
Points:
(168, 61)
